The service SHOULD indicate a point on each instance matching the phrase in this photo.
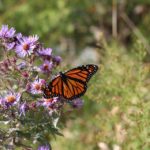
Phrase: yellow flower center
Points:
(48, 100)
(11, 99)
(26, 47)
(46, 67)
(37, 87)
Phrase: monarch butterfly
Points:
(71, 84)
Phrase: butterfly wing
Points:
(68, 88)
(82, 73)
(71, 84)
(73, 88)
(54, 88)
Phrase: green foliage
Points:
(116, 110)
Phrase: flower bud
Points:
(25, 74)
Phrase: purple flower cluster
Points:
(22, 54)
(5, 32)
(25, 69)
(26, 52)
(25, 46)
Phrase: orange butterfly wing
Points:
(83, 73)
(54, 88)
(71, 84)
(73, 89)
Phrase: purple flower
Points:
(57, 59)
(49, 103)
(45, 52)
(23, 108)
(36, 86)
(77, 103)
(18, 37)
(46, 67)
(44, 147)
(26, 46)
(33, 38)
(5, 32)
(12, 99)
(10, 45)
(25, 74)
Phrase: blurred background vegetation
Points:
(113, 34)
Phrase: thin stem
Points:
(114, 18)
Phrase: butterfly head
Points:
(61, 74)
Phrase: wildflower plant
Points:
(26, 116)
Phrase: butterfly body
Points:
(63, 77)
(71, 84)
